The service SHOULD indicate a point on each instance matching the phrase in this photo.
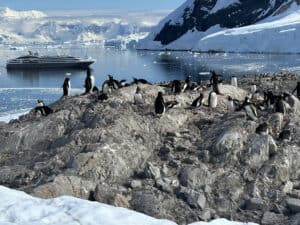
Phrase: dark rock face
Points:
(200, 18)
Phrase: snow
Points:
(18, 208)
(27, 27)
(221, 4)
(275, 34)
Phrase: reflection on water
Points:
(153, 66)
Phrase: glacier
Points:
(35, 27)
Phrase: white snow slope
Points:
(276, 34)
(19, 208)
(27, 27)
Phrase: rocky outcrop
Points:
(186, 165)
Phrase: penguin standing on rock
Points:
(280, 106)
(232, 104)
(250, 109)
(212, 99)
(109, 85)
(176, 87)
(66, 87)
(198, 101)
(159, 104)
(214, 81)
(89, 82)
(233, 81)
(187, 84)
(138, 98)
(297, 89)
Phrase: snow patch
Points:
(221, 4)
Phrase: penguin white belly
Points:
(234, 81)
(253, 89)
(230, 106)
(92, 82)
(138, 99)
(250, 112)
(69, 88)
(213, 101)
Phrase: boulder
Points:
(293, 205)
(193, 198)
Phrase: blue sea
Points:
(19, 90)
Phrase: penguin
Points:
(233, 81)
(187, 84)
(44, 110)
(66, 87)
(198, 101)
(253, 88)
(285, 135)
(212, 99)
(297, 89)
(160, 107)
(109, 85)
(176, 87)
(138, 98)
(280, 106)
(214, 81)
(122, 83)
(140, 81)
(102, 96)
(232, 104)
(292, 101)
(269, 99)
(250, 109)
(89, 81)
(262, 129)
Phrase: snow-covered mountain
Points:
(229, 25)
(26, 27)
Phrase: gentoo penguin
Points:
(285, 135)
(160, 107)
(66, 87)
(280, 106)
(214, 81)
(198, 101)
(250, 109)
(253, 88)
(232, 104)
(292, 101)
(122, 83)
(44, 110)
(187, 84)
(263, 129)
(212, 99)
(138, 98)
(233, 81)
(89, 81)
(140, 81)
(176, 87)
(298, 90)
(109, 85)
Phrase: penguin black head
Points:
(67, 79)
(160, 94)
(110, 77)
(229, 98)
(40, 101)
(138, 90)
(88, 72)
(201, 95)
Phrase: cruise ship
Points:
(34, 61)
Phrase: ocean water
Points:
(19, 90)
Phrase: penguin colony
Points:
(256, 102)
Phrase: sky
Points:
(120, 5)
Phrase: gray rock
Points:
(256, 204)
(270, 218)
(193, 198)
(152, 171)
(146, 202)
(293, 205)
(136, 184)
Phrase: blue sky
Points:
(124, 5)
